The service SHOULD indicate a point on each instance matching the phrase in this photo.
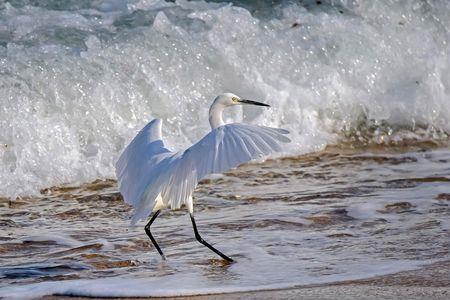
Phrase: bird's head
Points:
(229, 99)
(223, 101)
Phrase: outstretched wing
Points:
(136, 166)
(231, 145)
(223, 148)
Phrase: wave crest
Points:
(78, 81)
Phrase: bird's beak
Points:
(251, 102)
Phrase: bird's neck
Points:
(215, 115)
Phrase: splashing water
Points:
(78, 79)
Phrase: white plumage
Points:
(152, 177)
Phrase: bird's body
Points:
(151, 177)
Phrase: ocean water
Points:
(362, 190)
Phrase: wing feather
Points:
(137, 166)
(234, 144)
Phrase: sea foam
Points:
(78, 81)
(124, 286)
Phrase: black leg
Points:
(199, 238)
(147, 231)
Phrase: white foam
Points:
(57, 238)
(187, 285)
(76, 85)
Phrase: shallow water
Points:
(335, 215)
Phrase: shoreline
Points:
(428, 282)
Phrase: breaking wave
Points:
(79, 78)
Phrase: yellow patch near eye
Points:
(234, 99)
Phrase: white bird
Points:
(151, 177)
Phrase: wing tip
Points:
(156, 120)
(283, 131)
(154, 130)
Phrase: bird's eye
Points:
(234, 99)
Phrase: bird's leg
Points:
(199, 238)
(147, 231)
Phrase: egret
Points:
(151, 177)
